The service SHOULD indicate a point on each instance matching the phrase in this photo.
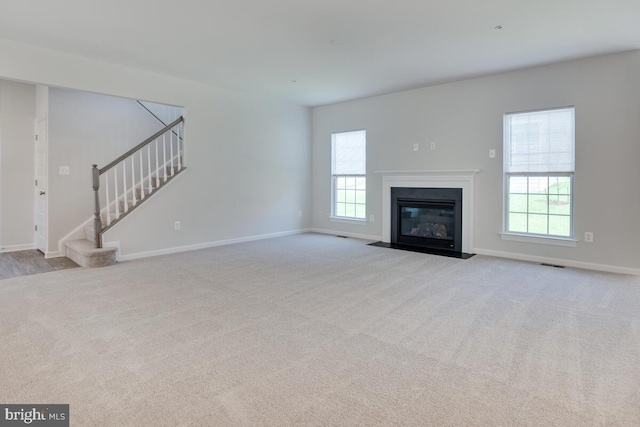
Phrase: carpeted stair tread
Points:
(84, 253)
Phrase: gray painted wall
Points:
(17, 114)
(247, 175)
(248, 157)
(86, 128)
(465, 121)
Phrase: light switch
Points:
(492, 153)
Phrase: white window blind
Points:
(349, 153)
(348, 168)
(540, 141)
(539, 153)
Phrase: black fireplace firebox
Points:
(427, 218)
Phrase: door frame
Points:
(41, 137)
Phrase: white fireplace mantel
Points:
(449, 172)
(431, 179)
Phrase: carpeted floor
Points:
(319, 330)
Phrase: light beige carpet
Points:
(319, 330)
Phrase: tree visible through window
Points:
(348, 170)
(539, 163)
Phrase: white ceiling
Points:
(316, 52)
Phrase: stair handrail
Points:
(142, 144)
(97, 172)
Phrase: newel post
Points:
(97, 222)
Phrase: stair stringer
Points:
(133, 208)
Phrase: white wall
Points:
(465, 121)
(248, 158)
(85, 129)
(42, 103)
(17, 115)
(165, 113)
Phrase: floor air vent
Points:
(552, 265)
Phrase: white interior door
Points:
(41, 211)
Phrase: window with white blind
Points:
(539, 164)
(348, 173)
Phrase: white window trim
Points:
(348, 220)
(333, 217)
(551, 240)
(540, 240)
(531, 237)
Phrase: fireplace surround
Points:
(428, 218)
(460, 179)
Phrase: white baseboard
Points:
(14, 248)
(175, 250)
(54, 254)
(344, 233)
(563, 262)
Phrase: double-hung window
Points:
(348, 173)
(539, 164)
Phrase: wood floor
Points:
(25, 263)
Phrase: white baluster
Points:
(149, 167)
(157, 167)
(171, 144)
(133, 178)
(115, 186)
(106, 182)
(141, 176)
(164, 157)
(124, 185)
(180, 148)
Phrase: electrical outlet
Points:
(300, 214)
(433, 145)
(64, 170)
(319, 213)
(492, 154)
(588, 237)
(176, 225)
(416, 147)
(372, 218)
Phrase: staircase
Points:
(123, 185)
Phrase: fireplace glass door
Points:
(426, 223)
